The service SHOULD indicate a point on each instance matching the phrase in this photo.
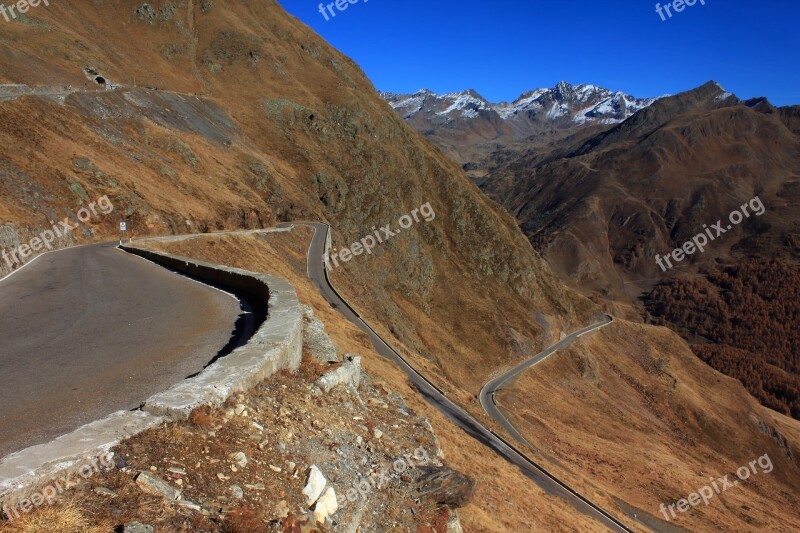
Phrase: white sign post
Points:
(123, 227)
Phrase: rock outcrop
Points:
(317, 339)
(348, 375)
(444, 485)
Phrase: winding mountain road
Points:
(73, 348)
(550, 484)
(488, 391)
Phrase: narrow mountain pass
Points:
(494, 410)
(490, 388)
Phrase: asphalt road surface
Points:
(551, 485)
(487, 393)
(88, 331)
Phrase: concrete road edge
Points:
(276, 345)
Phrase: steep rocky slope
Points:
(504, 499)
(254, 120)
(234, 115)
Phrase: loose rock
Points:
(105, 492)
(349, 375)
(137, 527)
(314, 485)
(445, 485)
(282, 509)
(240, 459)
(326, 506)
(150, 484)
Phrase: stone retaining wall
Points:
(277, 345)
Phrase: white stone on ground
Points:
(326, 505)
(315, 485)
(349, 375)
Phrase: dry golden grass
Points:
(63, 518)
(334, 152)
(202, 418)
(323, 144)
(630, 412)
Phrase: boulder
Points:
(348, 374)
(150, 484)
(314, 485)
(444, 485)
(326, 506)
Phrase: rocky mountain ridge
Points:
(459, 122)
(239, 116)
(563, 104)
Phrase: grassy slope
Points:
(631, 412)
(287, 128)
(504, 500)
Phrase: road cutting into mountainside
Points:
(487, 395)
(317, 272)
(90, 330)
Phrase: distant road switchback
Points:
(551, 485)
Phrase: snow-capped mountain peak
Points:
(565, 103)
(466, 104)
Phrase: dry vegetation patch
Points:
(588, 407)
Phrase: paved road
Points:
(319, 277)
(488, 391)
(91, 330)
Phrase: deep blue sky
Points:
(502, 48)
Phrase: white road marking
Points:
(44, 253)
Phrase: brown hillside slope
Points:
(647, 422)
(284, 128)
(625, 413)
(745, 324)
(505, 500)
(601, 209)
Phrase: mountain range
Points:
(604, 200)
(459, 120)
